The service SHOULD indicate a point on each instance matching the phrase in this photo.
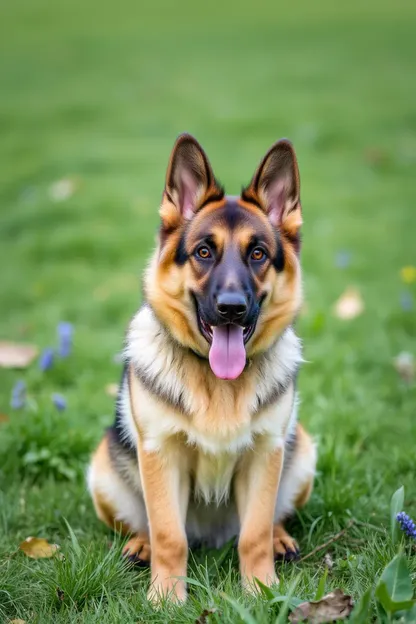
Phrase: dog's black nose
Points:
(231, 306)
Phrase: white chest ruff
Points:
(167, 407)
(212, 476)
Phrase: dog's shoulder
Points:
(277, 369)
(157, 360)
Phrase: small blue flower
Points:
(59, 401)
(46, 359)
(406, 301)
(18, 398)
(406, 524)
(65, 332)
(343, 259)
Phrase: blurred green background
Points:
(92, 97)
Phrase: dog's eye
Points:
(203, 252)
(257, 254)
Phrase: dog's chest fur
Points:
(179, 403)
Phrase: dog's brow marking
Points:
(279, 258)
(181, 255)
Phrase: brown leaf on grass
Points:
(18, 621)
(16, 355)
(404, 364)
(203, 618)
(333, 606)
(349, 305)
(111, 389)
(4, 418)
(60, 594)
(38, 548)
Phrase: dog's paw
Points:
(137, 551)
(250, 585)
(170, 589)
(284, 546)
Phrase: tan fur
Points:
(165, 473)
(204, 444)
(257, 483)
(165, 493)
(256, 472)
(304, 447)
(166, 291)
(103, 507)
(304, 495)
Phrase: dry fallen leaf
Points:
(404, 364)
(4, 418)
(349, 305)
(60, 594)
(18, 621)
(16, 355)
(203, 618)
(62, 189)
(38, 548)
(333, 606)
(111, 389)
(408, 274)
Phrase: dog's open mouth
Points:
(207, 330)
(227, 354)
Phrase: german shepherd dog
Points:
(206, 444)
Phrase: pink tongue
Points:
(227, 356)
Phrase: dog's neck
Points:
(165, 367)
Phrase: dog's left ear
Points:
(275, 187)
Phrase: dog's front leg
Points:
(256, 487)
(166, 493)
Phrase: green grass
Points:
(98, 92)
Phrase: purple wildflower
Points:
(343, 259)
(46, 359)
(65, 331)
(59, 401)
(406, 524)
(406, 301)
(18, 398)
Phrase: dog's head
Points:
(225, 279)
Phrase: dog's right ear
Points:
(190, 182)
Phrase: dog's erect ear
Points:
(190, 181)
(275, 186)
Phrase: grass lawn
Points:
(96, 93)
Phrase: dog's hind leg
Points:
(118, 504)
(294, 491)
